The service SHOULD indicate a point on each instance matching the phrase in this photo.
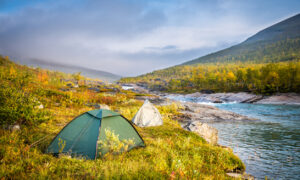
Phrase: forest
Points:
(263, 78)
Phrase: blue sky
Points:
(131, 37)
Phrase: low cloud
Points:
(126, 37)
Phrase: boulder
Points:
(101, 106)
(209, 133)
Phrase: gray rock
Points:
(206, 113)
(241, 176)
(210, 134)
(225, 97)
(94, 89)
(138, 88)
(102, 106)
(283, 98)
(243, 97)
(15, 127)
(253, 99)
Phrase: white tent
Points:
(147, 115)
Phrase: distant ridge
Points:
(91, 73)
(279, 42)
(289, 28)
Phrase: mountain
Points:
(91, 73)
(280, 42)
(266, 63)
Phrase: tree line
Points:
(264, 78)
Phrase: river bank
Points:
(238, 97)
(269, 146)
(242, 97)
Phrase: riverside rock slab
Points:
(208, 114)
(283, 98)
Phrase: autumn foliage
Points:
(258, 78)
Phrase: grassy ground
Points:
(170, 152)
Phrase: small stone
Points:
(15, 127)
(40, 106)
(241, 176)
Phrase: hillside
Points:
(66, 68)
(265, 63)
(42, 104)
(280, 42)
(266, 78)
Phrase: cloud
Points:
(127, 37)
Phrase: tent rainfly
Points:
(147, 115)
(86, 135)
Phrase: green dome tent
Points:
(87, 135)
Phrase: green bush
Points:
(18, 107)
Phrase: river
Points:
(269, 147)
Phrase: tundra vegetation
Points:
(40, 102)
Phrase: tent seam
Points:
(98, 136)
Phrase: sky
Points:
(131, 37)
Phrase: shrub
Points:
(108, 100)
(19, 107)
(113, 144)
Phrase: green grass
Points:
(170, 152)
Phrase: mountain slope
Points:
(266, 63)
(91, 73)
(280, 42)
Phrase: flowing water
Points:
(268, 147)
